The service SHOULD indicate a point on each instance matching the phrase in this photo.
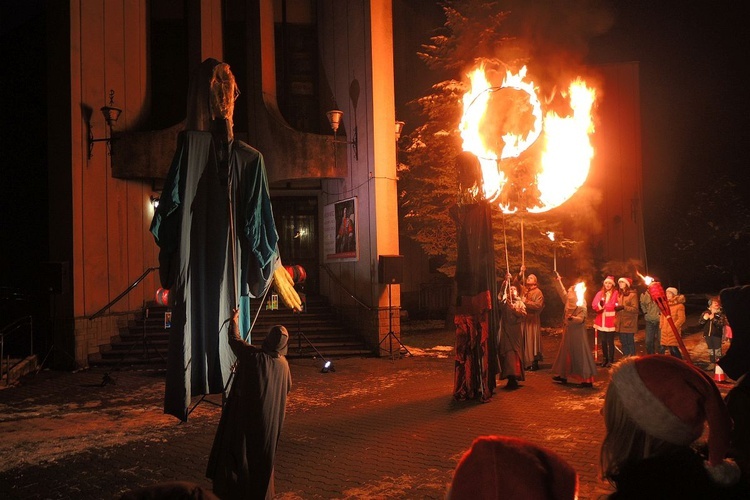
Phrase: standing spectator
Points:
(712, 321)
(510, 348)
(244, 449)
(736, 364)
(626, 320)
(604, 304)
(677, 311)
(574, 357)
(532, 326)
(651, 316)
(654, 410)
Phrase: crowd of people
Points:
(656, 405)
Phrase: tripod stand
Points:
(391, 336)
(327, 365)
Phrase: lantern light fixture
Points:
(334, 119)
(111, 115)
(399, 129)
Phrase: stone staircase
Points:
(314, 333)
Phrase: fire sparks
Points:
(580, 290)
(558, 168)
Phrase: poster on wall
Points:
(340, 223)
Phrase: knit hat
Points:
(275, 343)
(626, 280)
(505, 467)
(736, 304)
(671, 290)
(670, 400)
(611, 279)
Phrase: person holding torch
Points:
(669, 338)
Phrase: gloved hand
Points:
(284, 285)
(619, 307)
(601, 302)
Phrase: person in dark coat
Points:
(736, 364)
(712, 321)
(244, 449)
(655, 410)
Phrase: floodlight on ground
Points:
(327, 367)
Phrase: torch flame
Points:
(646, 279)
(580, 289)
(566, 155)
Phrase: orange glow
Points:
(560, 166)
(580, 289)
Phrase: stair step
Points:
(318, 323)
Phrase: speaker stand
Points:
(392, 336)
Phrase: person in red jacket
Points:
(604, 304)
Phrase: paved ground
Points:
(374, 428)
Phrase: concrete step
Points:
(314, 333)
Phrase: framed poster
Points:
(341, 236)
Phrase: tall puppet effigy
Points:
(476, 350)
(217, 238)
(503, 164)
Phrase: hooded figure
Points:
(244, 448)
(217, 240)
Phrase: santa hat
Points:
(670, 400)
(626, 280)
(736, 304)
(671, 290)
(505, 467)
(611, 279)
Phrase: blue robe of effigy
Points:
(208, 271)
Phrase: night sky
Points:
(694, 104)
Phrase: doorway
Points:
(297, 223)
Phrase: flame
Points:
(565, 159)
(646, 279)
(551, 235)
(580, 289)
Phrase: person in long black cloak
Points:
(218, 244)
(244, 448)
(475, 319)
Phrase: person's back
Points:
(654, 411)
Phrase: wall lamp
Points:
(111, 114)
(154, 201)
(334, 118)
(399, 129)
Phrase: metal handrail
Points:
(123, 294)
(10, 328)
(343, 287)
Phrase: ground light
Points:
(328, 367)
